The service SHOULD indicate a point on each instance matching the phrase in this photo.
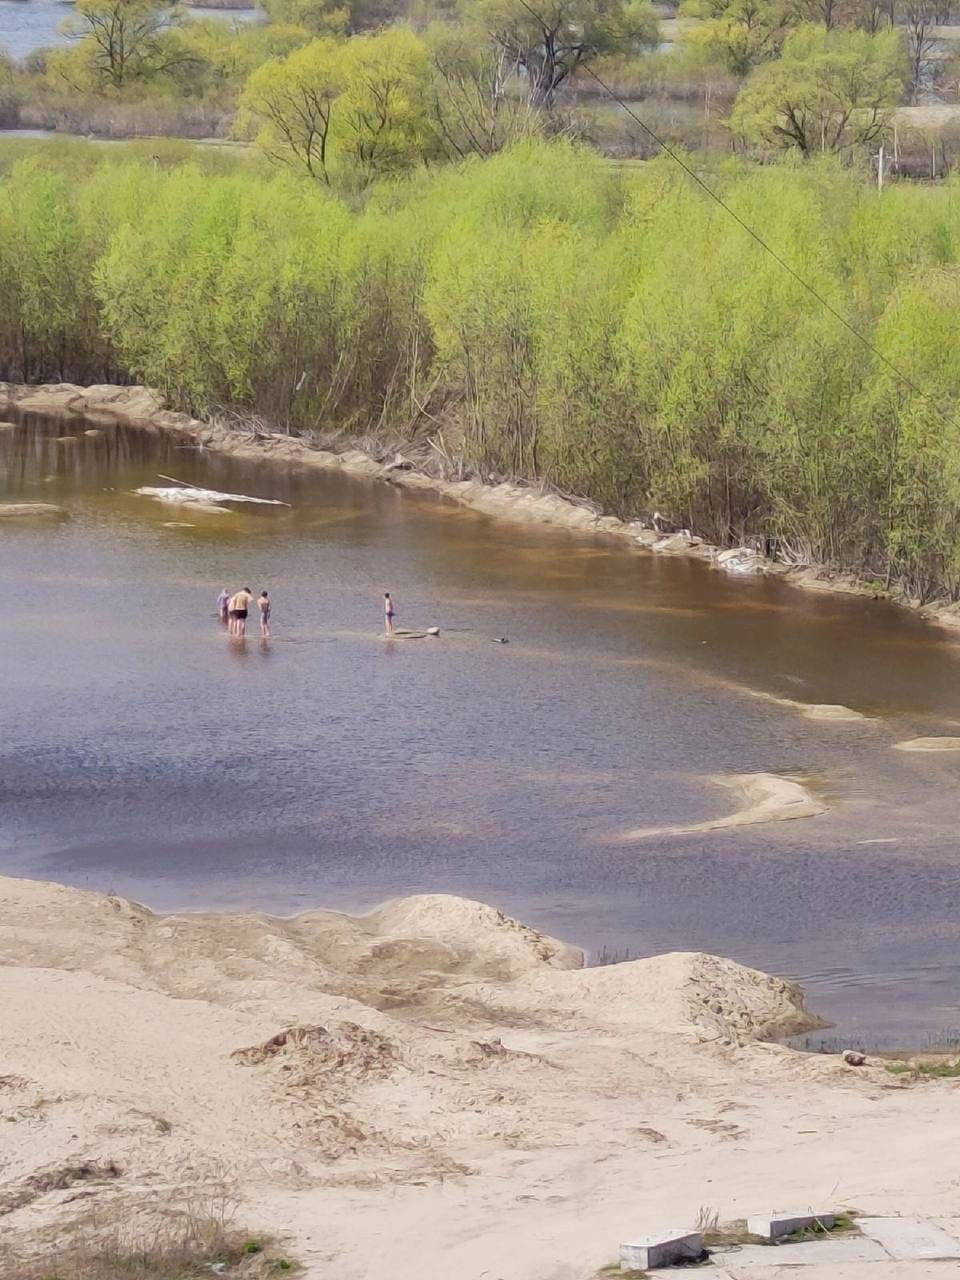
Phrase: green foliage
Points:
(319, 17)
(736, 35)
(549, 41)
(383, 116)
(930, 1070)
(289, 104)
(538, 314)
(470, 108)
(325, 17)
(214, 58)
(361, 106)
(120, 41)
(830, 90)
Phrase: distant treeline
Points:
(537, 314)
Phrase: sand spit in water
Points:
(429, 1090)
(31, 510)
(832, 711)
(928, 744)
(767, 797)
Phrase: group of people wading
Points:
(234, 610)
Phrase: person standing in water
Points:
(223, 605)
(239, 605)
(264, 605)
(389, 613)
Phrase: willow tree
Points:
(120, 41)
(319, 17)
(288, 104)
(472, 110)
(550, 40)
(736, 34)
(360, 107)
(829, 90)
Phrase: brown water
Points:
(142, 752)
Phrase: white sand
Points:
(461, 1099)
(929, 744)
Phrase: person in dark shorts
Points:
(263, 604)
(389, 613)
(239, 605)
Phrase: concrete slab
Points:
(910, 1239)
(649, 1252)
(772, 1227)
(834, 1251)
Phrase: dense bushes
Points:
(616, 334)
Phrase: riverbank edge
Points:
(143, 407)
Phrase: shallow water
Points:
(26, 25)
(143, 752)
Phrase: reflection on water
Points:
(145, 752)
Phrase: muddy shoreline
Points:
(142, 407)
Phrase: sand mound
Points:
(741, 1003)
(393, 957)
(684, 993)
(347, 1050)
(767, 797)
(928, 744)
(507, 945)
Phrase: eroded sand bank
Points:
(429, 1090)
(766, 797)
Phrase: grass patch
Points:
(184, 1248)
(723, 1235)
(931, 1070)
(843, 1224)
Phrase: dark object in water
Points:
(501, 640)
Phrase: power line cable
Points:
(678, 159)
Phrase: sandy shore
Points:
(431, 1090)
(144, 407)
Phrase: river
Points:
(26, 25)
(144, 753)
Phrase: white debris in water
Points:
(740, 560)
(184, 493)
